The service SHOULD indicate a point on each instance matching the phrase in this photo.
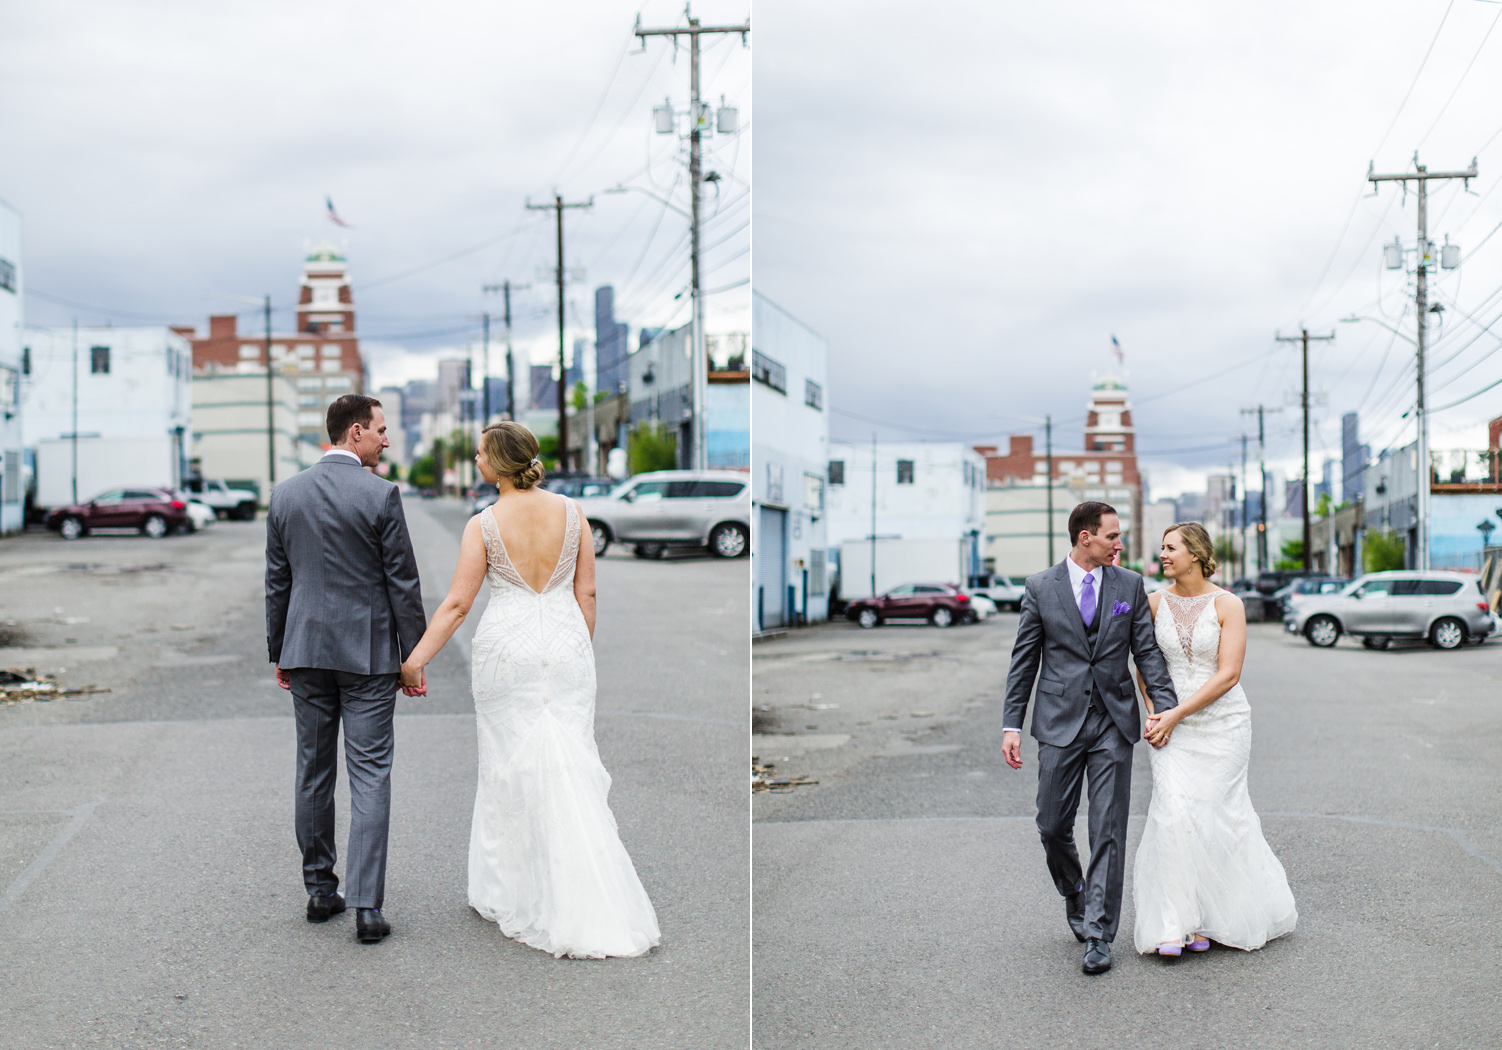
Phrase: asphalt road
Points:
(150, 889)
(904, 902)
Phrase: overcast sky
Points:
(968, 202)
(162, 150)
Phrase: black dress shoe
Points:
(1074, 911)
(321, 906)
(1097, 956)
(370, 927)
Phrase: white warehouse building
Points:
(920, 516)
(129, 391)
(789, 442)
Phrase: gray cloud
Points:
(969, 201)
(162, 150)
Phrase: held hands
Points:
(414, 680)
(1160, 727)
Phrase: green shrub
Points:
(652, 448)
(1383, 551)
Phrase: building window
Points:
(250, 352)
(8, 275)
(774, 482)
(304, 349)
(26, 360)
(332, 350)
(99, 360)
(904, 472)
(10, 387)
(765, 370)
(310, 384)
(813, 492)
(837, 472)
(308, 400)
(331, 365)
(337, 383)
(813, 394)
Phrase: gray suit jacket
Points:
(342, 592)
(1051, 635)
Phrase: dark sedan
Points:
(941, 604)
(154, 512)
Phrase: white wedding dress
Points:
(546, 862)
(1203, 865)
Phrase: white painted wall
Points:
(147, 393)
(229, 428)
(789, 458)
(946, 500)
(12, 443)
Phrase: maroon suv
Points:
(941, 604)
(155, 512)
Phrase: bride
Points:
(546, 863)
(1204, 872)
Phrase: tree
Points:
(651, 447)
(1292, 556)
(1383, 552)
(577, 395)
(547, 451)
(420, 474)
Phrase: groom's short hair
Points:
(346, 411)
(1086, 518)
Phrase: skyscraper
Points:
(612, 344)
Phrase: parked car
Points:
(983, 605)
(225, 501)
(155, 512)
(674, 508)
(1447, 608)
(1302, 587)
(200, 515)
(483, 495)
(577, 486)
(941, 604)
(1005, 593)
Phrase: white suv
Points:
(674, 508)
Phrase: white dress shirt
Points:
(351, 455)
(1077, 576)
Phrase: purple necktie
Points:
(1087, 598)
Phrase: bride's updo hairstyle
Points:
(511, 450)
(1198, 542)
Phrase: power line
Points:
(1461, 81)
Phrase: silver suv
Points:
(1447, 608)
(674, 508)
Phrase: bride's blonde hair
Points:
(511, 450)
(1197, 542)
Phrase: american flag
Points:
(334, 215)
(1115, 346)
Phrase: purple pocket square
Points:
(1121, 608)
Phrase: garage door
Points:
(771, 567)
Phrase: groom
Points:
(343, 610)
(1080, 619)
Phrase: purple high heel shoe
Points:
(1200, 943)
(1171, 949)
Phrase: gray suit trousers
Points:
(366, 704)
(1103, 756)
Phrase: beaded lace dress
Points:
(1202, 864)
(546, 863)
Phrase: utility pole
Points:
(1262, 563)
(1048, 455)
(873, 514)
(698, 119)
(485, 372)
(1243, 506)
(557, 208)
(270, 408)
(1304, 337)
(1425, 473)
(505, 287)
(74, 435)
